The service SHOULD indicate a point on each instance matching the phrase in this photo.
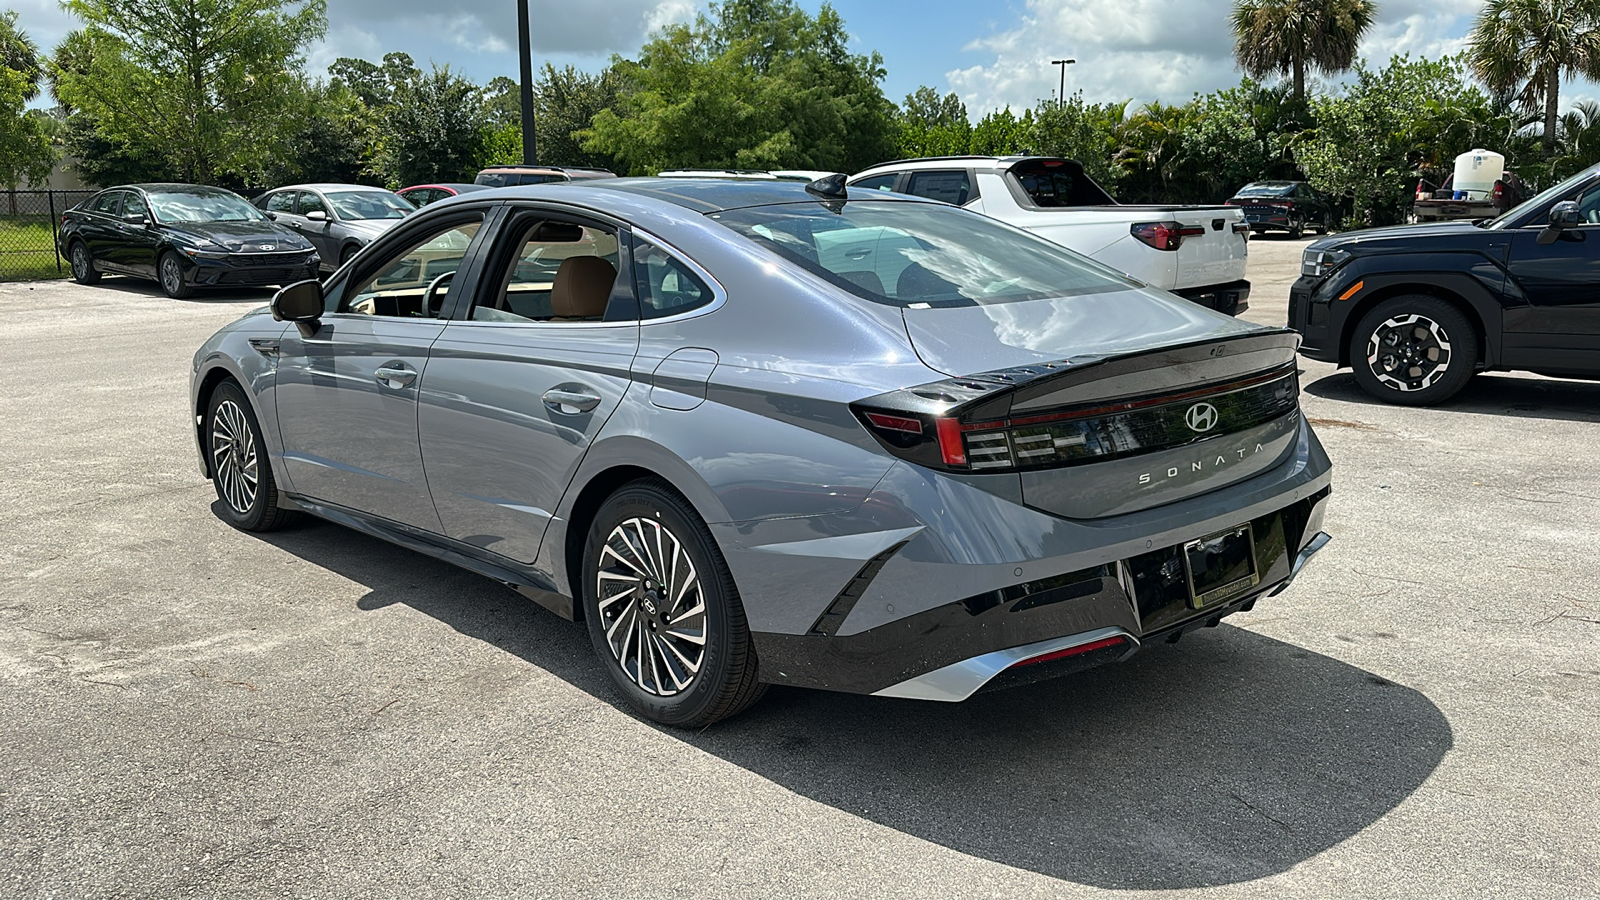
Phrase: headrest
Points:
(582, 288)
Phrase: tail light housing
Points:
(1499, 192)
(1160, 235)
(1423, 193)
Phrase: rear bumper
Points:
(1231, 297)
(990, 639)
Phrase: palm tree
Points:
(19, 53)
(1291, 36)
(1527, 46)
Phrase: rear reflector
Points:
(1072, 651)
(895, 423)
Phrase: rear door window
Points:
(878, 182)
(953, 187)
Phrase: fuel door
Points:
(679, 381)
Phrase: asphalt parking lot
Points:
(190, 711)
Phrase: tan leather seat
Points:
(582, 288)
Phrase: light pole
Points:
(530, 152)
(1061, 95)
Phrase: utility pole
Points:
(530, 152)
(1061, 95)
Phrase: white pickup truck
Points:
(1196, 252)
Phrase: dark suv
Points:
(1416, 310)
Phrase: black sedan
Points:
(185, 236)
(1291, 206)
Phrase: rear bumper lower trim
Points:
(958, 681)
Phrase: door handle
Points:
(397, 376)
(570, 402)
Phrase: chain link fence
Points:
(29, 221)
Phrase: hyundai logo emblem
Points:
(269, 246)
(1201, 417)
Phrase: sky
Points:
(993, 54)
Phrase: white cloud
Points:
(1149, 50)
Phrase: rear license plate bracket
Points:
(1221, 566)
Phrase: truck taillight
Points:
(1424, 194)
(1160, 235)
(1499, 192)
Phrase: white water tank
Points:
(1476, 173)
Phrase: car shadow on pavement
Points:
(138, 286)
(1488, 394)
(1228, 757)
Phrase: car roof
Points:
(983, 163)
(452, 185)
(709, 195)
(331, 188)
(174, 187)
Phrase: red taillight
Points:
(951, 448)
(1422, 192)
(1499, 192)
(1160, 235)
(1072, 651)
(895, 423)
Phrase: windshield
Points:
(921, 255)
(202, 207)
(369, 204)
(1543, 198)
(1264, 190)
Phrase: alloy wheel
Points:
(652, 609)
(171, 275)
(1408, 352)
(80, 262)
(233, 456)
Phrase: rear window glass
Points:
(920, 255)
(1058, 182)
(1265, 190)
(513, 179)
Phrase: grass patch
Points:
(27, 249)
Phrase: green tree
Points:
(1239, 135)
(1002, 133)
(207, 83)
(931, 125)
(330, 139)
(1292, 36)
(1528, 46)
(1151, 151)
(1086, 132)
(430, 130)
(20, 54)
(26, 150)
(751, 84)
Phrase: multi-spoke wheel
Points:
(83, 271)
(1413, 350)
(169, 271)
(239, 467)
(662, 609)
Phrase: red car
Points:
(421, 195)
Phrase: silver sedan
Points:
(338, 219)
(758, 433)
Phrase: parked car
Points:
(184, 236)
(804, 175)
(1196, 252)
(1416, 310)
(1292, 206)
(339, 219)
(421, 195)
(513, 176)
(769, 433)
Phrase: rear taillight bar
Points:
(1072, 651)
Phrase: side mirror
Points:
(300, 303)
(317, 215)
(1562, 216)
(272, 215)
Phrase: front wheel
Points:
(663, 612)
(170, 273)
(1413, 350)
(240, 469)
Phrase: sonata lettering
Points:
(1199, 465)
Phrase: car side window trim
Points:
(719, 295)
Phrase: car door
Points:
(140, 240)
(102, 230)
(319, 233)
(523, 378)
(347, 394)
(1560, 326)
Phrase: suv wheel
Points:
(240, 470)
(663, 612)
(83, 271)
(1413, 350)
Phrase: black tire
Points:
(1414, 350)
(82, 262)
(1322, 225)
(233, 445)
(169, 274)
(1297, 229)
(642, 618)
(348, 254)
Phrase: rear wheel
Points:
(663, 612)
(83, 271)
(1413, 350)
(169, 272)
(240, 470)
(1296, 228)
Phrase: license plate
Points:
(1221, 566)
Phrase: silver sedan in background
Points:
(338, 219)
(759, 433)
